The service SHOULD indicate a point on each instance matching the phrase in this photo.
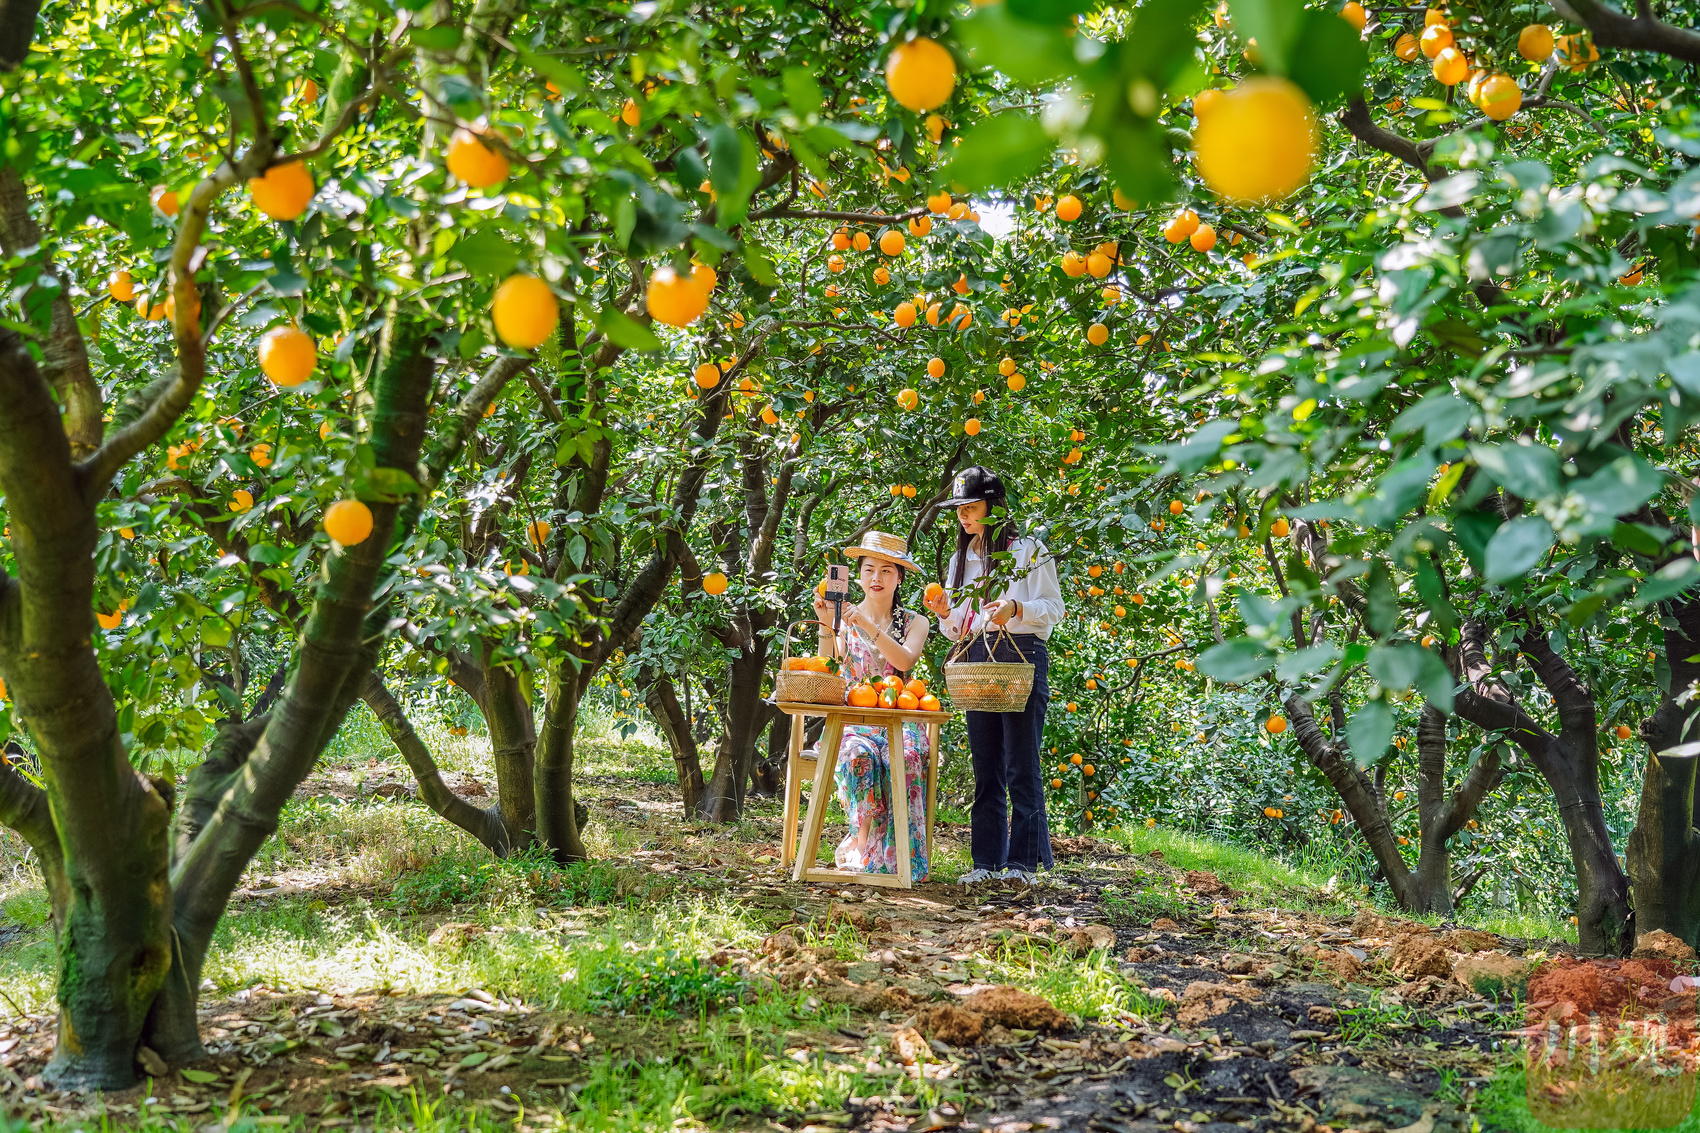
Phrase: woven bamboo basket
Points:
(988, 686)
(796, 686)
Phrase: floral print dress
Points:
(863, 775)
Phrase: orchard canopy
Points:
(530, 354)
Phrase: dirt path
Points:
(1231, 1015)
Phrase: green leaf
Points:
(1235, 661)
(1138, 159)
(760, 264)
(802, 91)
(1434, 595)
(1619, 488)
(1003, 149)
(1273, 23)
(476, 1058)
(734, 171)
(1672, 579)
(566, 79)
(623, 330)
(1526, 470)
(199, 1077)
(1404, 666)
(1328, 57)
(1032, 55)
(385, 485)
(1369, 731)
(1050, 11)
(1382, 600)
(440, 38)
(1442, 415)
(1473, 529)
(485, 253)
(1636, 537)
(1517, 548)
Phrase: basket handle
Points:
(788, 629)
(989, 629)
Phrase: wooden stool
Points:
(798, 768)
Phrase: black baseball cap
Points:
(973, 484)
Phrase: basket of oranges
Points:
(894, 692)
(807, 680)
(988, 686)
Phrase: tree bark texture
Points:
(1664, 848)
(1569, 762)
(662, 699)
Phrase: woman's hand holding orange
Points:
(936, 600)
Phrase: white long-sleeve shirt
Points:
(1035, 586)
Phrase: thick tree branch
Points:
(1612, 28)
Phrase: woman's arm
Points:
(1037, 592)
(903, 654)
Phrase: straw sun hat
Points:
(883, 545)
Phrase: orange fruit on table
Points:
(908, 700)
(891, 681)
(1074, 265)
(1205, 101)
(707, 375)
(888, 698)
(1353, 13)
(1097, 334)
(863, 696)
(1500, 97)
(817, 664)
(714, 583)
(916, 688)
(525, 311)
(1276, 725)
(971, 426)
(165, 200)
(348, 522)
(1261, 142)
(282, 192)
(1068, 207)
(920, 74)
(121, 287)
(1406, 48)
(1535, 43)
(1450, 67)
(288, 356)
(891, 242)
(1435, 39)
(674, 299)
(474, 162)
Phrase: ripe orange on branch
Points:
(908, 399)
(1260, 144)
(1450, 67)
(525, 311)
(121, 287)
(891, 242)
(474, 162)
(1500, 97)
(288, 356)
(282, 192)
(1097, 334)
(1203, 239)
(1535, 43)
(674, 299)
(1435, 39)
(1406, 48)
(714, 584)
(707, 375)
(1068, 208)
(348, 522)
(920, 74)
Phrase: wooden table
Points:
(837, 716)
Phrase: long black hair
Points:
(1001, 531)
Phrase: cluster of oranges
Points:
(1494, 93)
(808, 664)
(894, 692)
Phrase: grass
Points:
(1503, 1105)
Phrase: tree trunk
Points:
(768, 779)
(723, 799)
(557, 823)
(513, 740)
(1664, 847)
(662, 699)
(1569, 762)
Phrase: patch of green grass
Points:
(1503, 1105)
(665, 982)
(1088, 986)
(1141, 905)
(1256, 874)
(1374, 1020)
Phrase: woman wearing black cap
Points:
(1010, 838)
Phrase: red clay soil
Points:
(1603, 987)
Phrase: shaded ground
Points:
(1192, 1006)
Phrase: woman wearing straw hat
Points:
(877, 637)
(1009, 837)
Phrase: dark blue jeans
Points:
(1009, 826)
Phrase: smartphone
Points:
(837, 583)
